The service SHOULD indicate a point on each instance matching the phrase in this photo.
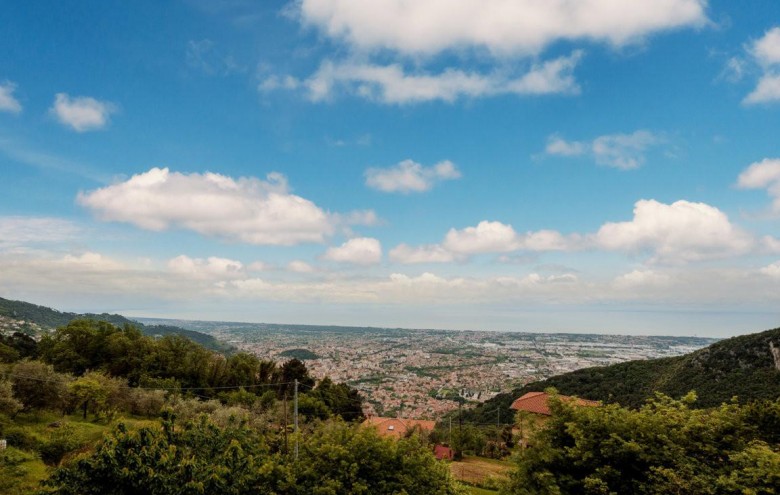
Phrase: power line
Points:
(226, 387)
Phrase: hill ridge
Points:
(49, 318)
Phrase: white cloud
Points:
(496, 237)
(25, 231)
(766, 53)
(766, 50)
(680, 232)
(503, 27)
(767, 90)
(409, 176)
(669, 233)
(259, 266)
(82, 113)
(91, 261)
(558, 146)
(772, 270)
(391, 84)
(299, 266)
(763, 175)
(7, 101)
(641, 278)
(621, 151)
(212, 267)
(247, 209)
(406, 254)
(359, 251)
(485, 237)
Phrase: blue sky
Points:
(491, 164)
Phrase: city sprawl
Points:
(418, 373)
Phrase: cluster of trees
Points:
(98, 367)
(202, 457)
(666, 446)
(97, 351)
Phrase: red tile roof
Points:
(397, 427)
(443, 452)
(537, 402)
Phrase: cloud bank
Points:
(246, 209)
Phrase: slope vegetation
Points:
(746, 367)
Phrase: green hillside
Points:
(742, 367)
(51, 318)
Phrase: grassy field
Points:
(39, 442)
(480, 473)
(475, 490)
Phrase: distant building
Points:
(536, 407)
(442, 452)
(398, 427)
(538, 403)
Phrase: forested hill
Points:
(49, 318)
(746, 367)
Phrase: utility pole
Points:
(460, 419)
(296, 420)
(284, 405)
(449, 443)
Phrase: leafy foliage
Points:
(200, 457)
(302, 354)
(664, 447)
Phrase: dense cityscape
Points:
(419, 373)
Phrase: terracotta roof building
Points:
(442, 452)
(398, 427)
(537, 402)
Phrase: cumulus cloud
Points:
(763, 175)
(247, 209)
(82, 113)
(428, 27)
(558, 146)
(674, 233)
(359, 251)
(405, 254)
(678, 232)
(211, 267)
(26, 231)
(767, 48)
(409, 176)
(496, 237)
(621, 151)
(392, 84)
(91, 261)
(7, 101)
(299, 266)
(772, 270)
(485, 237)
(765, 52)
(641, 278)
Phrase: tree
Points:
(200, 457)
(9, 404)
(664, 447)
(38, 386)
(93, 390)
